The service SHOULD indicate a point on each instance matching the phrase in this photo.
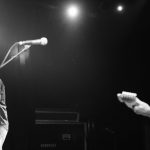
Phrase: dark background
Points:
(83, 67)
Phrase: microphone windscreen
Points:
(44, 41)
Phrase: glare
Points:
(120, 8)
(72, 11)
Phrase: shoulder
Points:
(1, 84)
(2, 93)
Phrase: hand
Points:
(142, 108)
(128, 98)
(133, 102)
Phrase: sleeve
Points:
(3, 108)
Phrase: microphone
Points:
(43, 41)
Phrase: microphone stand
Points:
(4, 62)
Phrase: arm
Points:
(132, 101)
(3, 115)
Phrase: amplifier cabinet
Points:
(59, 136)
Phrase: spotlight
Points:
(120, 8)
(72, 11)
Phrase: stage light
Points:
(120, 8)
(72, 11)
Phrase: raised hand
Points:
(132, 101)
(128, 98)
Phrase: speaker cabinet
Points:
(59, 136)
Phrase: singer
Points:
(4, 124)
